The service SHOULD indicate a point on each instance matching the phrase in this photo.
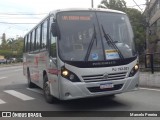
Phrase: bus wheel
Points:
(46, 89)
(30, 84)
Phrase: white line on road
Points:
(19, 95)
(150, 89)
(2, 102)
(2, 78)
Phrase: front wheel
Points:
(46, 89)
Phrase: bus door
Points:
(53, 66)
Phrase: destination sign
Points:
(85, 18)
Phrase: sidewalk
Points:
(9, 65)
(149, 80)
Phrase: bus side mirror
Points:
(54, 29)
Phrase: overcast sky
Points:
(41, 7)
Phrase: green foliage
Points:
(153, 38)
(137, 20)
(6, 53)
(12, 48)
(113, 4)
(136, 17)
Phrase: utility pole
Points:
(147, 54)
(92, 4)
(147, 26)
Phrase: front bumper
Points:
(70, 90)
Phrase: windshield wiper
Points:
(111, 42)
(91, 44)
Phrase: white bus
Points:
(79, 53)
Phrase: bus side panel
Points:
(53, 77)
(42, 62)
(32, 66)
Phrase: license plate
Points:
(107, 85)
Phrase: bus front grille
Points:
(104, 77)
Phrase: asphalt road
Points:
(16, 96)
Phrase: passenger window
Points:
(53, 47)
(28, 44)
(32, 40)
(37, 42)
(25, 45)
(44, 35)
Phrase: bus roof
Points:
(86, 9)
(76, 9)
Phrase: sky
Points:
(32, 11)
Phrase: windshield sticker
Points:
(111, 54)
(94, 56)
(86, 18)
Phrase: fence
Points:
(150, 61)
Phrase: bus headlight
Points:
(69, 75)
(65, 73)
(134, 70)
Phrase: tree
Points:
(12, 47)
(136, 17)
(113, 4)
(137, 20)
(3, 44)
(19, 47)
(3, 38)
(10, 42)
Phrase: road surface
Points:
(16, 96)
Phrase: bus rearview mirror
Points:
(54, 29)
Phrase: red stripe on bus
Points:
(35, 77)
(54, 71)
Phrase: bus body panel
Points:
(53, 77)
(38, 63)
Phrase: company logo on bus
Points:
(106, 76)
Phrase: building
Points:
(153, 14)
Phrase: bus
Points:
(80, 53)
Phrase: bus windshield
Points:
(94, 36)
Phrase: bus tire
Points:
(46, 90)
(30, 84)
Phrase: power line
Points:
(142, 4)
(15, 23)
(19, 18)
(22, 14)
(138, 5)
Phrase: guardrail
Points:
(150, 61)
